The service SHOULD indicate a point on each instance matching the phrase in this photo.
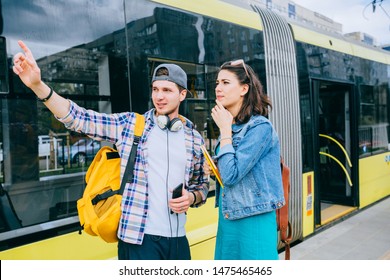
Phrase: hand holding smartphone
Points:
(178, 191)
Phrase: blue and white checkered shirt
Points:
(119, 129)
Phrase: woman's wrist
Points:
(225, 135)
(225, 138)
(225, 132)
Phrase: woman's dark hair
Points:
(256, 102)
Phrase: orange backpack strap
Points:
(283, 222)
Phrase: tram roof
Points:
(302, 33)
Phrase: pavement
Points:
(364, 235)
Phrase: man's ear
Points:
(183, 94)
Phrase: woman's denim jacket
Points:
(250, 170)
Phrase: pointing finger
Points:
(26, 50)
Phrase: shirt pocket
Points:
(236, 142)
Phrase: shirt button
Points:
(223, 194)
(226, 216)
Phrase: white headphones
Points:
(173, 125)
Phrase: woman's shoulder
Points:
(258, 120)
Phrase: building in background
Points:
(362, 37)
(288, 8)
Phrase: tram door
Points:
(334, 183)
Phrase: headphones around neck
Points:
(173, 125)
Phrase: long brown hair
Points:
(255, 102)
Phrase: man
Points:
(169, 154)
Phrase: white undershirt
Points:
(166, 160)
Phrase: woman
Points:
(248, 159)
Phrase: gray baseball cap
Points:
(175, 74)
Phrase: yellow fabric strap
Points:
(139, 124)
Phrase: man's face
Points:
(166, 98)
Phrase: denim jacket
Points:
(250, 170)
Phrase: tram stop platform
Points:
(364, 235)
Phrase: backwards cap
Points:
(175, 74)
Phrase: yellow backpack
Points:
(99, 208)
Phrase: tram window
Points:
(1, 162)
(373, 124)
(1, 150)
(83, 76)
(3, 67)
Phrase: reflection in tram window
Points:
(373, 126)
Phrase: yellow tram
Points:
(330, 98)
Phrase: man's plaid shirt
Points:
(119, 129)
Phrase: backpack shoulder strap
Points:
(138, 130)
(139, 125)
(284, 223)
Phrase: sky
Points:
(355, 15)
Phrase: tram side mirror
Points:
(4, 86)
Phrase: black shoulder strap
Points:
(128, 175)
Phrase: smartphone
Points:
(178, 191)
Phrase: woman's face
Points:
(229, 91)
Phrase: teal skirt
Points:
(251, 238)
